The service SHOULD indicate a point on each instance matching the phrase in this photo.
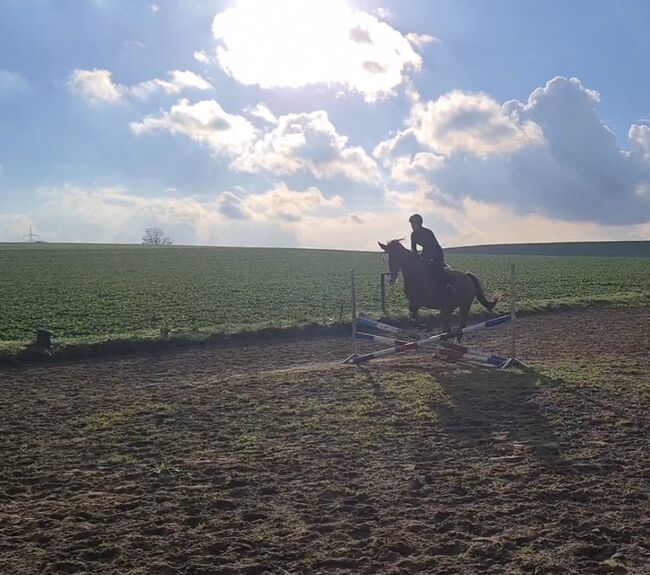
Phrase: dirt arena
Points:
(279, 459)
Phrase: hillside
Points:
(638, 249)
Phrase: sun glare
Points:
(292, 43)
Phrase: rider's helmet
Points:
(416, 219)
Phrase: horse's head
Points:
(396, 253)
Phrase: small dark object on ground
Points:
(44, 339)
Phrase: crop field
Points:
(94, 293)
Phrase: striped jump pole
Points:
(364, 321)
(431, 339)
(380, 338)
(461, 353)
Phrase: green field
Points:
(90, 293)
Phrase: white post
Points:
(354, 313)
(513, 311)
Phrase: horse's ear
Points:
(382, 246)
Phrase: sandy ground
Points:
(278, 459)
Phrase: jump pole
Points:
(513, 360)
(513, 311)
(353, 313)
(364, 321)
(425, 341)
(380, 338)
(353, 295)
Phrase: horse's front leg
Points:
(463, 315)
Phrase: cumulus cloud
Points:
(552, 156)
(261, 111)
(201, 56)
(417, 168)
(234, 207)
(640, 141)
(309, 142)
(475, 123)
(292, 43)
(419, 40)
(205, 122)
(293, 143)
(97, 86)
(178, 81)
(290, 205)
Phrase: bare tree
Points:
(156, 237)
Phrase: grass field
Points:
(91, 293)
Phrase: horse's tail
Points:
(480, 294)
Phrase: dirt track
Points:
(278, 459)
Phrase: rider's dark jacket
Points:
(431, 249)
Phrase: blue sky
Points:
(324, 123)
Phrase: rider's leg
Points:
(441, 276)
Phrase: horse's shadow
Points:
(510, 408)
(506, 413)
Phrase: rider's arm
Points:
(414, 245)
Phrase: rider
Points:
(431, 250)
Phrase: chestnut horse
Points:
(421, 289)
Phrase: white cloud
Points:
(292, 43)
(308, 142)
(552, 156)
(261, 111)
(417, 168)
(640, 141)
(179, 81)
(475, 123)
(293, 143)
(233, 207)
(282, 203)
(205, 122)
(419, 40)
(201, 56)
(155, 8)
(97, 85)
(383, 13)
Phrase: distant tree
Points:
(156, 237)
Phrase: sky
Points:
(324, 123)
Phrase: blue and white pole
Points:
(432, 339)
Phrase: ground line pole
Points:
(513, 311)
(354, 312)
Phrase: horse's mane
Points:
(396, 244)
